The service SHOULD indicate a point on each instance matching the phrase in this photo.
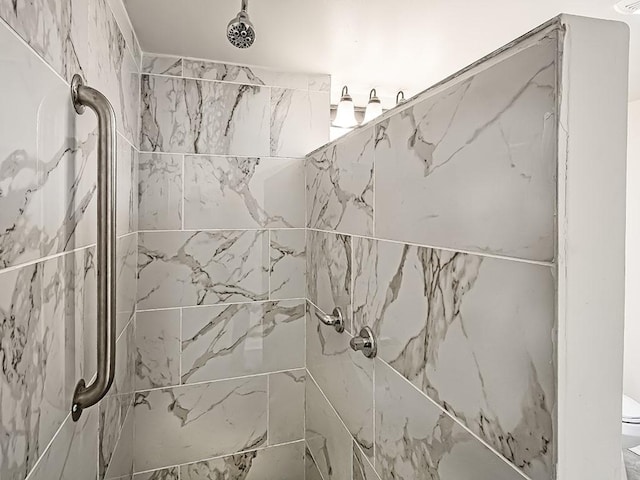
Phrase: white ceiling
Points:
(391, 45)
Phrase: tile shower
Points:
(232, 236)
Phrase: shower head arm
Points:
(245, 6)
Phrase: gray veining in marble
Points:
(362, 469)
(416, 440)
(201, 268)
(328, 441)
(172, 473)
(475, 334)
(218, 418)
(340, 186)
(632, 464)
(240, 192)
(491, 139)
(157, 349)
(311, 469)
(329, 272)
(229, 341)
(299, 121)
(162, 65)
(287, 271)
(191, 116)
(160, 192)
(284, 462)
(345, 377)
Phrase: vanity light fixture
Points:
(374, 107)
(400, 98)
(346, 113)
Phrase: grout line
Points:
(215, 230)
(49, 444)
(268, 157)
(315, 462)
(219, 380)
(458, 421)
(195, 307)
(445, 249)
(182, 192)
(208, 459)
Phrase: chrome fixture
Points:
(400, 98)
(240, 31)
(346, 114)
(365, 342)
(85, 396)
(335, 320)
(374, 107)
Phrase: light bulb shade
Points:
(346, 112)
(374, 107)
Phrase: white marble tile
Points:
(299, 121)
(311, 469)
(286, 406)
(240, 192)
(162, 65)
(121, 465)
(122, 18)
(112, 70)
(73, 452)
(473, 167)
(185, 424)
(207, 70)
(202, 268)
(126, 281)
(287, 274)
(362, 468)
(160, 191)
(158, 349)
(192, 116)
(57, 31)
(329, 442)
(115, 408)
(172, 473)
(340, 184)
(283, 462)
(416, 440)
(329, 272)
(475, 334)
(345, 377)
(229, 341)
(127, 188)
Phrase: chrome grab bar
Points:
(85, 396)
(335, 320)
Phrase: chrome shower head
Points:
(240, 31)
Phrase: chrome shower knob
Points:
(365, 342)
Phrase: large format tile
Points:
(126, 281)
(229, 341)
(416, 440)
(112, 68)
(162, 65)
(158, 349)
(46, 152)
(160, 192)
(283, 462)
(329, 272)
(311, 471)
(202, 268)
(340, 185)
(192, 116)
(232, 192)
(345, 377)
(172, 473)
(73, 452)
(299, 121)
(362, 469)
(57, 31)
(185, 424)
(286, 406)
(473, 166)
(328, 441)
(127, 188)
(475, 334)
(287, 271)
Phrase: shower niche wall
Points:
(443, 225)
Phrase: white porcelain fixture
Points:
(630, 422)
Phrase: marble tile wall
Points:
(220, 330)
(435, 226)
(48, 235)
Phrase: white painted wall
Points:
(632, 262)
